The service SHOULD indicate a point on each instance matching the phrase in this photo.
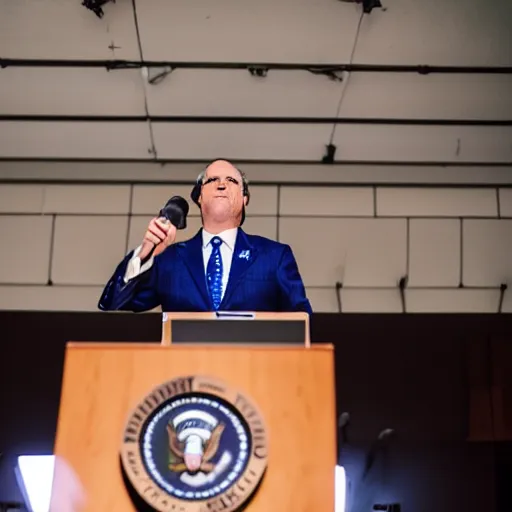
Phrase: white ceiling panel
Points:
(336, 174)
(217, 92)
(243, 31)
(437, 32)
(73, 140)
(71, 91)
(407, 143)
(441, 96)
(241, 141)
(95, 91)
(64, 29)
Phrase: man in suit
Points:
(220, 268)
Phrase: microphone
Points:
(377, 446)
(176, 211)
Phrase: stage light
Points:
(368, 5)
(35, 475)
(35, 479)
(96, 6)
(340, 489)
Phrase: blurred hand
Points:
(68, 493)
(160, 234)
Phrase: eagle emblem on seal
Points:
(194, 451)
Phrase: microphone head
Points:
(385, 434)
(176, 211)
(343, 419)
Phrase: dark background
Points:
(420, 375)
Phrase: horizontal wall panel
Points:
(95, 199)
(25, 248)
(66, 30)
(230, 31)
(371, 301)
(263, 200)
(356, 252)
(224, 92)
(487, 250)
(28, 198)
(85, 298)
(323, 300)
(507, 302)
(401, 143)
(434, 252)
(327, 201)
(506, 202)
(430, 96)
(50, 298)
(241, 141)
(87, 249)
(69, 198)
(71, 91)
(339, 174)
(437, 33)
(255, 141)
(148, 199)
(437, 202)
(452, 301)
(74, 140)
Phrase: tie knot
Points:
(216, 241)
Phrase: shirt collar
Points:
(228, 237)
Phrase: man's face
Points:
(222, 196)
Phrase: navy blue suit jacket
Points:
(264, 277)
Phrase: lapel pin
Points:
(244, 255)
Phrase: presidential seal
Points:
(194, 445)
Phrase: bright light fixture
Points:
(340, 489)
(35, 473)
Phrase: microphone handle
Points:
(165, 220)
(148, 257)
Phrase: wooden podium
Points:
(275, 401)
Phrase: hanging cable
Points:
(347, 74)
(152, 149)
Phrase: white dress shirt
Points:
(227, 248)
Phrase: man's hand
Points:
(160, 235)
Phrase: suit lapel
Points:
(191, 252)
(244, 256)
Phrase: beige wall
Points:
(366, 237)
(75, 195)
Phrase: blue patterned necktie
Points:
(214, 273)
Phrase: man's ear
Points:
(245, 200)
